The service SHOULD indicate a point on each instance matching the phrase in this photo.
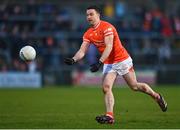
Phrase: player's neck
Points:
(96, 24)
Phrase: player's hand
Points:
(69, 61)
(95, 67)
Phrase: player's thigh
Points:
(108, 79)
(130, 78)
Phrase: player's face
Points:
(92, 16)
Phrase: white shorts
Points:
(121, 68)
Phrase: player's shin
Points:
(109, 102)
(148, 90)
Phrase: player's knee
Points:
(134, 86)
(106, 88)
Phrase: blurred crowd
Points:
(56, 32)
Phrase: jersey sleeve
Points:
(108, 30)
(86, 37)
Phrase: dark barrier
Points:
(64, 77)
(165, 76)
(53, 77)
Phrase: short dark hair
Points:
(95, 8)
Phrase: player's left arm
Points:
(108, 40)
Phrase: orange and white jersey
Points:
(96, 36)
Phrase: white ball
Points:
(27, 53)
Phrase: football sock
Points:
(110, 114)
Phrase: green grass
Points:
(77, 108)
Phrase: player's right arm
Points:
(81, 52)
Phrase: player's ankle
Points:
(156, 96)
(110, 114)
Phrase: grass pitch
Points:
(77, 108)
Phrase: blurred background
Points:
(149, 30)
